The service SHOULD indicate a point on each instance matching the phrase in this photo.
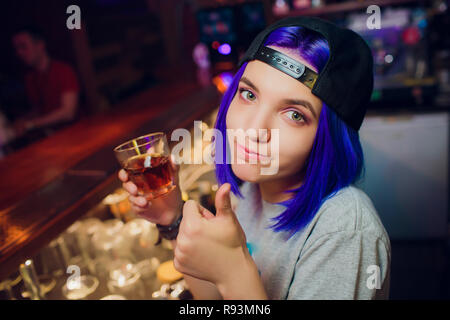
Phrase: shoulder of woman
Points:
(349, 209)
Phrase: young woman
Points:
(305, 232)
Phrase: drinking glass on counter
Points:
(50, 266)
(110, 245)
(146, 160)
(125, 280)
(84, 232)
(142, 235)
(147, 268)
(31, 281)
(71, 238)
(80, 288)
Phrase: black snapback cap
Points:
(345, 84)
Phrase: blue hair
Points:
(336, 159)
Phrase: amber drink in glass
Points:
(146, 160)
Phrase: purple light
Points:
(224, 49)
(226, 77)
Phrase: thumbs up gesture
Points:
(209, 247)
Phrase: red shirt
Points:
(45, 89)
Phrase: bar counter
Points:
(47, 186)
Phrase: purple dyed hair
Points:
(336, 159)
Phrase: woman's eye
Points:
(247, 95)
(295, 115)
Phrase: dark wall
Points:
(49, 15)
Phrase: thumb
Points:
(193, 209)
(223, 201)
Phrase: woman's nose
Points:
(262, 136)
(259, 134)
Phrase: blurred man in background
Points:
(52, 86)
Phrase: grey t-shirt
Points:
(343, 253)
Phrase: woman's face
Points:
(270, 99)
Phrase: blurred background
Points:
(128, 53)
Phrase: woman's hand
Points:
(163, 210)
(214, 248)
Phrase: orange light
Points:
(220, 85)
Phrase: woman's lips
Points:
(251, 154)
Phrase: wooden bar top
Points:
(36, 165)
(47, 186)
